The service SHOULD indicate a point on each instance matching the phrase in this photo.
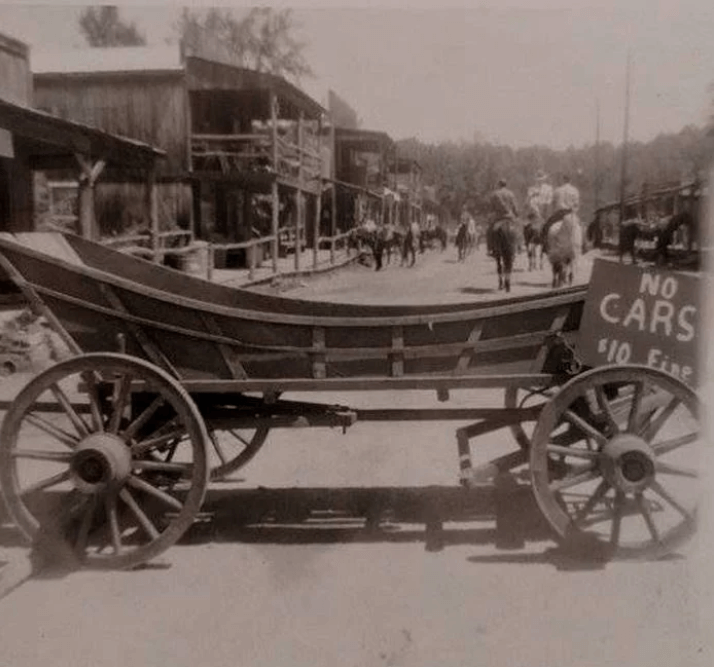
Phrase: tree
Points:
(101, 26)
(263, 40)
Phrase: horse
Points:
(563, 247)
(504, 243)
(437, 233)
(666, 237)
(533, 236)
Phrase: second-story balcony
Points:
(257, 153)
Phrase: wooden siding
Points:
(15, 78)
(152, 109)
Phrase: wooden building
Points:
(243, 165)
(33, 141)
(654, 202)
(362, 177)
(409, 185)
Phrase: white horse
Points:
(564, 245)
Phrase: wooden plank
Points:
(37, 304)
(230, 356)
(397, 351)
(380, 383)
(319, 366)
(282, 352)
(150, 348)
(467, 355)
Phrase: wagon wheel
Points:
(77, 466)
(229, 450)
(619, 480)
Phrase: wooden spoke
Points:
(150, 489)
(143, 447)
(637, 393)
(667, 446)
(94, 402)
(144, 521)
(664, 494)
(579, 476)
(110, 505)
(593, 500)
(135, 426)
(572, 451)
(647, 515)
(120, 403)
(55, 431)
(162, 466)
(586, 427)
(617, 519)
(238, 436)
(217, 447)
(606, 408)
(46, 483)
(80, 545)
(669, 469)
(652, 427)
(42, 455)
(76, 420)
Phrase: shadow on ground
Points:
(438, 517)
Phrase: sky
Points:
(513, 72)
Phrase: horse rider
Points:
(566, 199)
(540, 195)
(504, 207)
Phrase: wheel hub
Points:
(101, 461)
(628, 463)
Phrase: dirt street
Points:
(330, 592)
(435, 278)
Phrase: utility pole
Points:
(596, 183)
(623, 174)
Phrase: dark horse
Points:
(504, 242)
(676, 222)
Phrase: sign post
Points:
(641, 315)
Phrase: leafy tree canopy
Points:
(263, 39)
(102, 26)
(465, 173)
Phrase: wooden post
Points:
(299, 226)
(316, 237)
(275, 226)
(274, 245)
(90, 174)
(152, 212)
(252, 252)
(333, 192)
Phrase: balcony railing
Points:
(255, 153)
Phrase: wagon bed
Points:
(135, 434)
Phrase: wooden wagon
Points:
(174, 381)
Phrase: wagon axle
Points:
(628, 463)
(102, 461)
